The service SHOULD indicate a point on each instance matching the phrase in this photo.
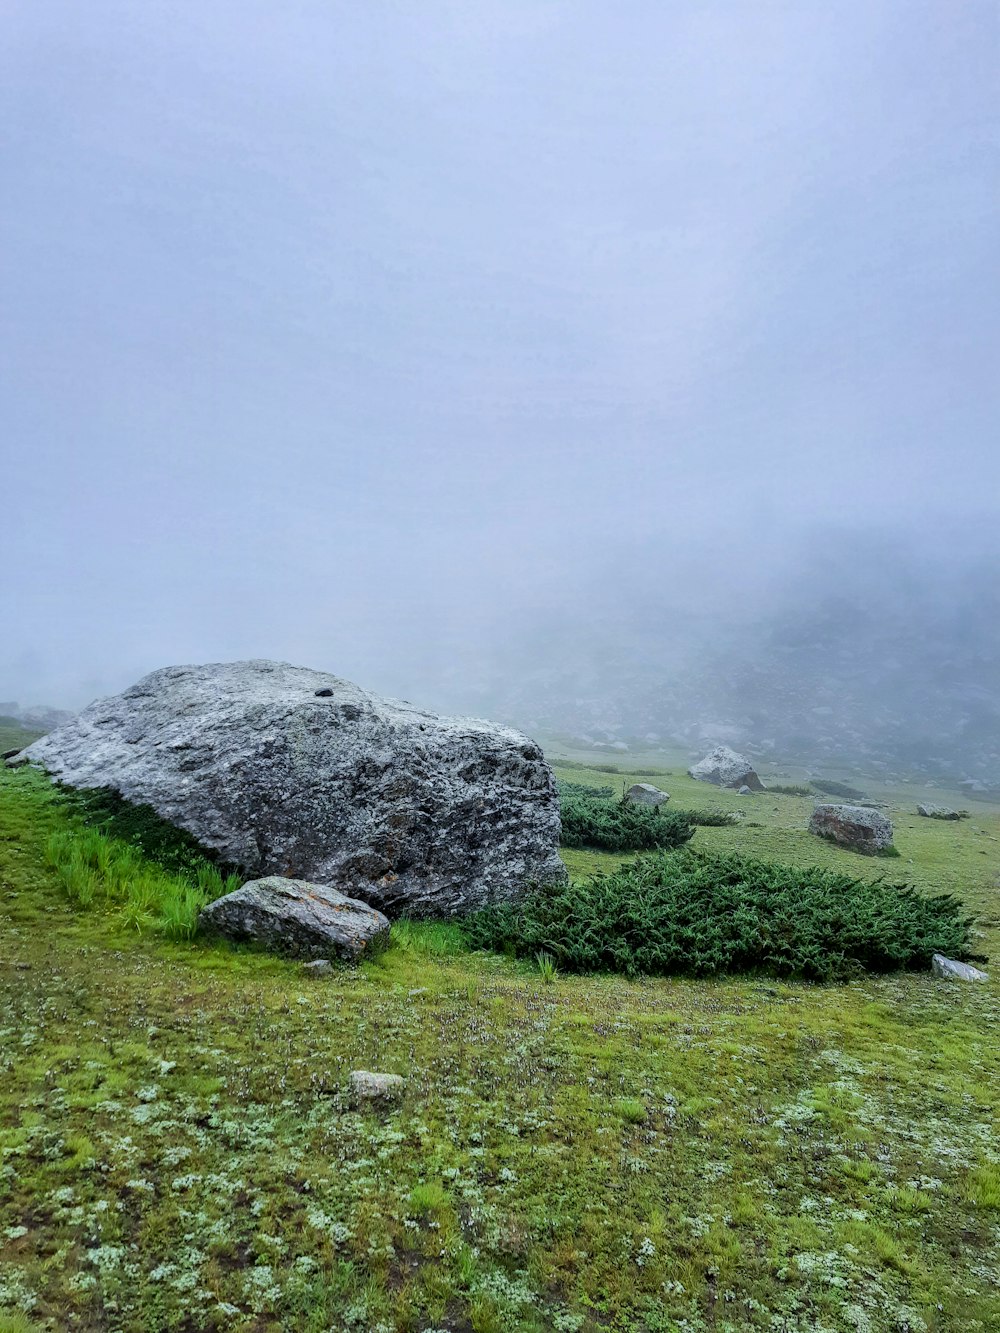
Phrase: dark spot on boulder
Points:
(324, 694)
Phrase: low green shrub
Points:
(620, 826)
(710, 818)
(830, 788)
(790, 789)
(701, 913)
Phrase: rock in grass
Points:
(296, 918)
(937, 812)
(644, 793)
(725, 768)
(318, 967)
(856, 827)
(285, 771)
(953, 970)
(369, 1087)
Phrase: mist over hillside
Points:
(867, 652)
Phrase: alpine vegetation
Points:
(702, 913)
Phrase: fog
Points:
(616, 369)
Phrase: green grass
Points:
(179, 1151)
(15, 737)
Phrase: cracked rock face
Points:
(281, 770)
(852, 826)
(725, 768)
(296, 918)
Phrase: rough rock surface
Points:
(854, 826)
(294, 917)
(367, 1086)
(953, 970)
(726, 768)
(282, 770)
(937, 812)
(644, 793)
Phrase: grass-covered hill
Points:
(178, 1149)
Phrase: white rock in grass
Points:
(370, 1087)
(953, 970)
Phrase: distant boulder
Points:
(285, 771)
(937, 812)
(644, 793)
(725, 768)
(856, 827)
(296, 918)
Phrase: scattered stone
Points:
(296, 918)
(367, 1086)
(937, 812)
(389, 803)
(644, 793)
(319, 966)
(744, 791)
(856, 827)
(953, 970)
(725, 768)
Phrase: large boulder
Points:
(282, 770)
(294, 917)
(853, 826)
(725, 768)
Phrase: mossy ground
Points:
(178, 1151)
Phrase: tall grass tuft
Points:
(97, 870)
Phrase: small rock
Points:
(367, 1086)
(953, 970)
(644, 793)
(937, 812)
(744, 791)
(296, 918)
(856, 827)
(318, 966)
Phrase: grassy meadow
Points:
(178, 1149)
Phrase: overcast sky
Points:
(331, 330)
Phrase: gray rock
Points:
(644, 793)
(856, 827)
(367, 1086)
(725, 768)
(745, 791)
(393, 805)
(937, 812)
(294, 917)
(319, 966)
(953, 970)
